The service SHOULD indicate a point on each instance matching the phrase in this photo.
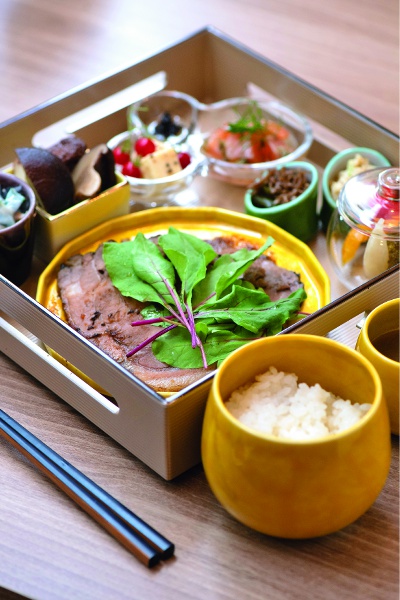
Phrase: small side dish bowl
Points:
(298, 215)
(297, 488)
(339, 170)
(17, 234)
(168, 114)
(243, 137)
(161, 191)
(53, 231)
(379, 343)
(363, 235)
(160, 172)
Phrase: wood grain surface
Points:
(49, 548)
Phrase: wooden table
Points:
(49, 548)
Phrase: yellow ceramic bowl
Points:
(297, 489)
(205, 222)
(382, 323)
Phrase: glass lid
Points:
(369, 202)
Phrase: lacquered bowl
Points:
(297, 489)
(298, 216)
(17, 240)
(383, 324)
(338, 163)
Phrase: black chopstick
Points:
(158, 541)
(141, 539)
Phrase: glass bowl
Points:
(162, 191)
(166, 115)
(364, 232)
(289, 137)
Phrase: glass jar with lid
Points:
(363, 233)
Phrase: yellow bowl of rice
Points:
(296, 437)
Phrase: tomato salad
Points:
(251, 139)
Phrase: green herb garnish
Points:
(200, 306)
(250, 121)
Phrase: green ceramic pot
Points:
(299, 216)
(331, 171)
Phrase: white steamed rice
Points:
(276, 404)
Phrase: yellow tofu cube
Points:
(161, 163)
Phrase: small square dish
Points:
(53, 231)
(76, 188)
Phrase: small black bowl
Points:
(16, 241)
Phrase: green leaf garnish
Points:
(250, 121)
(201, 307)
(253, 310)
(190, 257)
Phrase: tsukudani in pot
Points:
(298, 216)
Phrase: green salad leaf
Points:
(200, 306)
(174, 347)
(250, 121)
(253, 310)
(189, 256)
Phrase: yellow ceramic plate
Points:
(206, 222)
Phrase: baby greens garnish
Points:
(250, 121)
(197, 300)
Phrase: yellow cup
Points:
(297, 488)
(378, 342)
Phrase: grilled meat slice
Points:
(97, 310)
(264, 273)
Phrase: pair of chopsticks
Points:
(144, 542)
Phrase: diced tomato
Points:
(278, 131)
(246, 147)
(269, 152)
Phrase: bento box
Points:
(164, 431)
